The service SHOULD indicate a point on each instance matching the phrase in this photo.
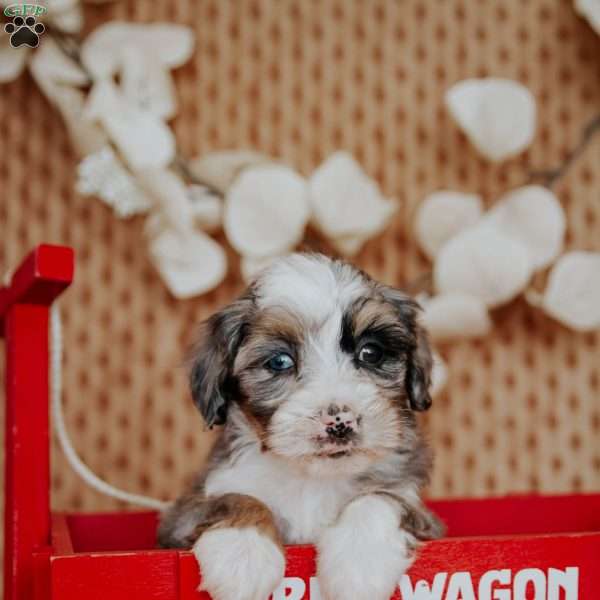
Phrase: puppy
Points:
(316, 373)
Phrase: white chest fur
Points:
(303, 505)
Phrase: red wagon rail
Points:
(515, 548)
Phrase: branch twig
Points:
(182, 165)
(549, 177)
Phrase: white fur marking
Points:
(238, 564)
(365, 553)
(303, 505)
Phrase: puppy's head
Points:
(324, 364)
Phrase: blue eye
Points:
(281, 362)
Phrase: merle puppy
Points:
(316, 373)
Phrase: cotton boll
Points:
(347, 203)
(12, 63)
(442, 215)
(455, 315)
(573, 292)
(266, 211)
(189, 265)
(589, 9)
(141, 55)
(206, 207)
(533, 216)
(102, 174)
(485, 263)
(439, 375)
(497, 115)
(143, 140)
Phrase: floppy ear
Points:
(418, 373)
(212, 360)
(420, 361)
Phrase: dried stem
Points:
(181, 165)
(70, 46)
(549, 177)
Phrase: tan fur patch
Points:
(270, 326)
(239, 511)
(375, 312)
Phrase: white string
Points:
(61, 431)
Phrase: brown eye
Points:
(370, 354)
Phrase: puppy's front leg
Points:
(239, 550)
(364, 554)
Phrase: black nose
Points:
(340, 423)
(340, 431)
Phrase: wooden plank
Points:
(40, 278)
(62, 544)
(560, 567)
(516, 515)
(512, 515)
(24, 313)
(27, 473)
(116, 576)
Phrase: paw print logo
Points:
(24, 32)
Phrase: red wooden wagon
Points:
(515, 548)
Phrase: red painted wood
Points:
(113, 531)
(42, 574)
(123, 576)
(27, 507)
(476, 556)
(168, 575)
(443, 559)
(40, 278)
(62, 544)
(24, 311)
(512, 515)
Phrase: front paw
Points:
(239, 564)
(365, 553)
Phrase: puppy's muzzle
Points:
(340, 424)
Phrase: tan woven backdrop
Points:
(300, 79)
